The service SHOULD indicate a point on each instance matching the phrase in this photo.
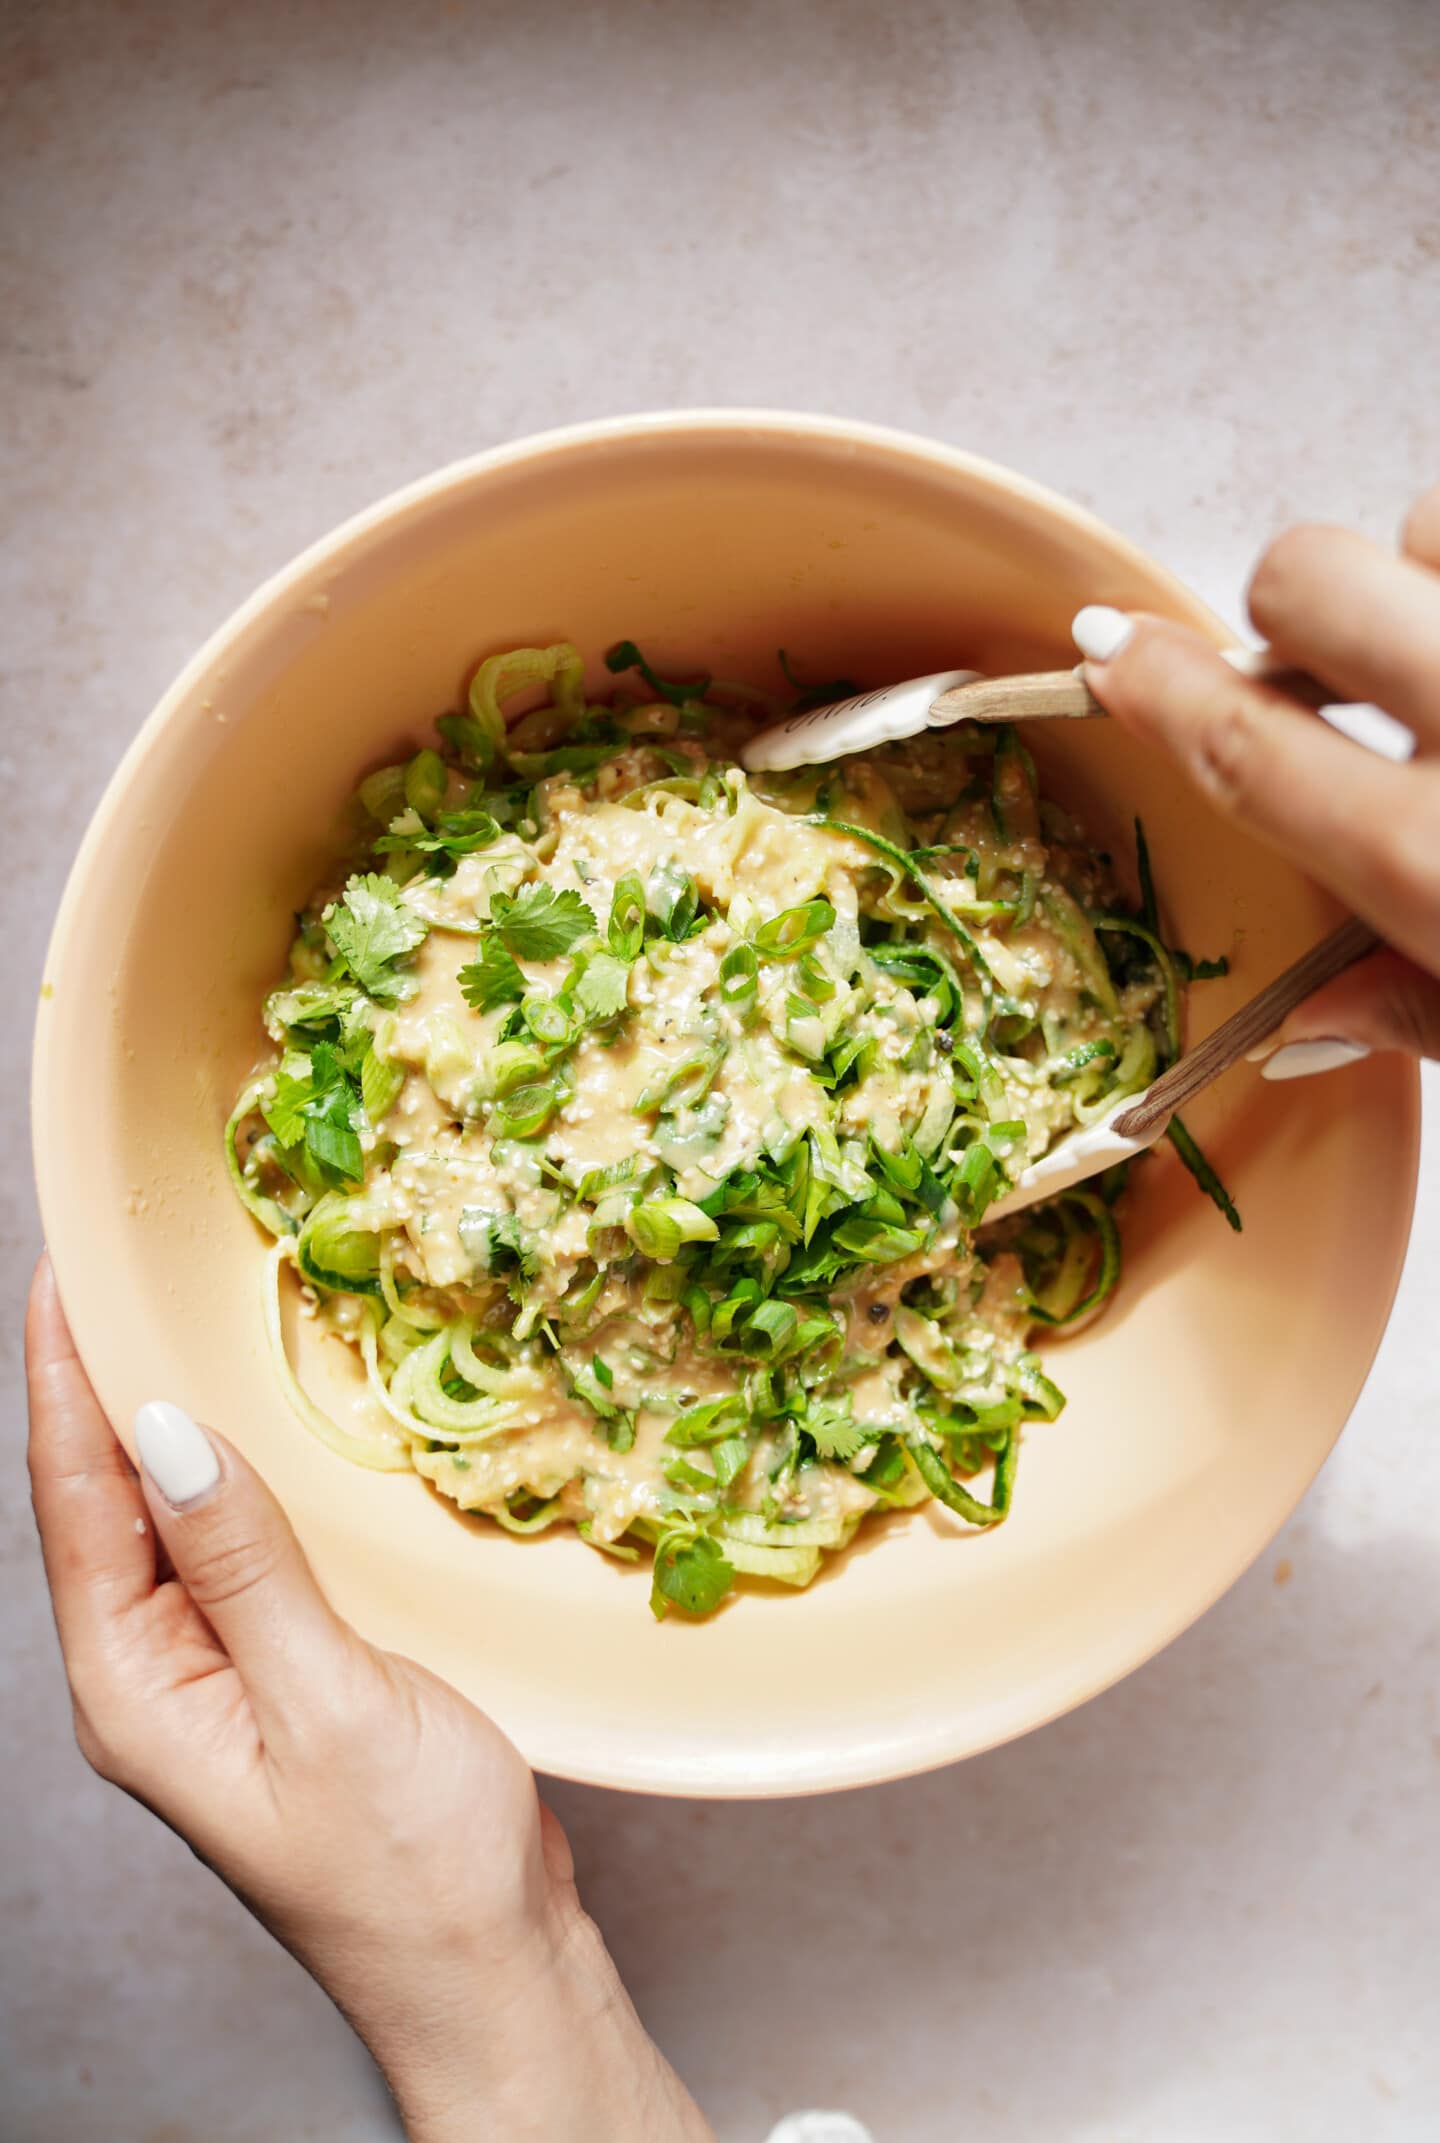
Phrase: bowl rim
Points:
(396, 506)
(943, 1741)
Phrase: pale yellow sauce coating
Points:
(447, 1179)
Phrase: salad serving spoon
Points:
(892, 712)
(1140, 1119)
(938, 701)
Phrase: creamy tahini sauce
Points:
(752, 861)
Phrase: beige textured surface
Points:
(254, 271)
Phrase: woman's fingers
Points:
(94, 1528)
(1385, 1002)
(1363, 620)
(1361, 824)
(233, 1550)
(228, 1541)
(1420, 537)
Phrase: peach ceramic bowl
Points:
(1199, 1407)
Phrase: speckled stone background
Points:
(260, 264)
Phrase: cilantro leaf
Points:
(493, 979)
(604, 986)
(691, 1573)
(539, 923)
(833, 1431)
(371, 928)
(284, 1111)
(316, 1108)
(329, 1113)
(330, 1139)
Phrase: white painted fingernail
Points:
(176, 1453)
(1300, 1060)
(1100, 632)
(1262, 1050)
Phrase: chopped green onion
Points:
(673, 899)
(985, 1076)
(626, 928)
(425, 783)
(333, 1253)
(659, 1230)
(546, 1018)
(816, 981)
(730, 1459)
(511, 1065)
(708, 1423)
(738, 982)
(383, 793)
(525, 1111)
(793, 929)
(682, 1473)
(684, 1086)
(380, 1082)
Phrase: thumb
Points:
(1384, 1002)
(234, 1551)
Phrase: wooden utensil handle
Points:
(1047, 695)
(1059, 695)
(1251, 1024)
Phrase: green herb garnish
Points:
(709, 1192)
(372, 930)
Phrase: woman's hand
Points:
(381, 1827)
(1366, 622)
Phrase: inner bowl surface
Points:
(1199, 1407)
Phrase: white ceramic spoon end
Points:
(1080, 1154)
(844, 726)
